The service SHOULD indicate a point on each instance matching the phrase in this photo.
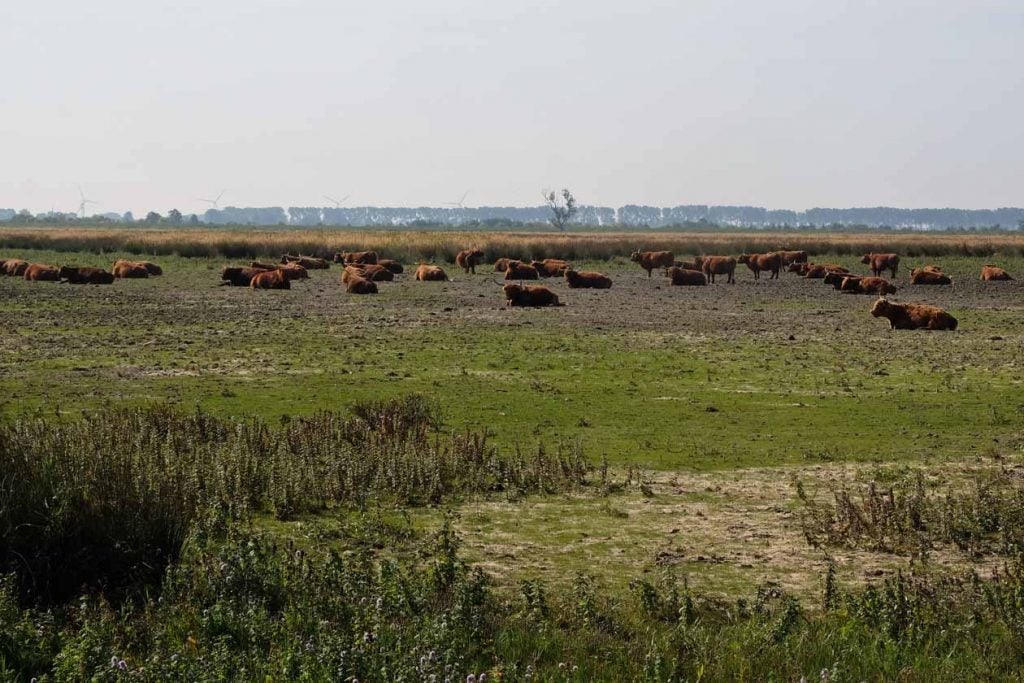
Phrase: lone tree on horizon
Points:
(563, 210)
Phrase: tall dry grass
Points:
(413, 246)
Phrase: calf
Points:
(468, 259)
(584, 280)
(40, 272)
(993, 273)
(427, 273)
(757, 262)
(649, 260)
(720, 265)
(880, 262)
(529, 295)
(685, 277)
(913, 316)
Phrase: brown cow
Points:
(684, 277)
(392, 265)
(270, 279)
(370, 271)
(720, 265)
(757, 262)
(867, 285)
(799, 268)
(124, 269)
(879, 262)
(40, 272)
(293, 271)
(501, 265)
(468, 259)
(239, 277)
(913, 316)
(85, 276)
(348, 257)
(360, 285)
(307, 262)
(584, 280)
(791, 257)
(517, 270)
(529, 295)
(15, 267)
(928, 277)
(836, 278)
(817, 271)
(151, 268)
(427, 273)
(993, 273)
(551, 267)
(649, 260)
(265, 266)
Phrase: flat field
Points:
(782, 379)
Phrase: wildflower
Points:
(380, 603)
(470, 678)
(122, 665)
(482, 678)
(113, 662)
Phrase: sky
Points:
(784, 104)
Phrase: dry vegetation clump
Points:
(414, 246)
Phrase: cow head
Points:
(635, 256)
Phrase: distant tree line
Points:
(561, 214)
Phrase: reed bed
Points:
(433, 246)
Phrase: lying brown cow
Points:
(994, 273)
(293, 271)
(427, 273)
(836, 279)
(270, 279)
(348, 257)
(929, 277)
(371, 271)
(239, 277)
(685, 277)
(529, 295)
(649, 260)
(501, 265)
(151, 268)
(392, 265)
(517, 270)
(768, 262)
(127, 270)
(720, 265)
(881, 262)
(360, 285)
(551, 267)
(15, 267)
(307, 262)
(867, 285)
(468, 259)
(913, 316)
(584, 280)
(264, 266)
(791, 257)
(817, 271)
(40, 272)
(85, 276)
(799, 268)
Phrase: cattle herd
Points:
(362, 270)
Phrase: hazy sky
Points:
(779, 103)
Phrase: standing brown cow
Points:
(720, 265)
(468, 259)
(879, 262)
(757, 262)
(649, 260)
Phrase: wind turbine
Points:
(83, 202)
(214, 203)
(337, 202)
(461, 203)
